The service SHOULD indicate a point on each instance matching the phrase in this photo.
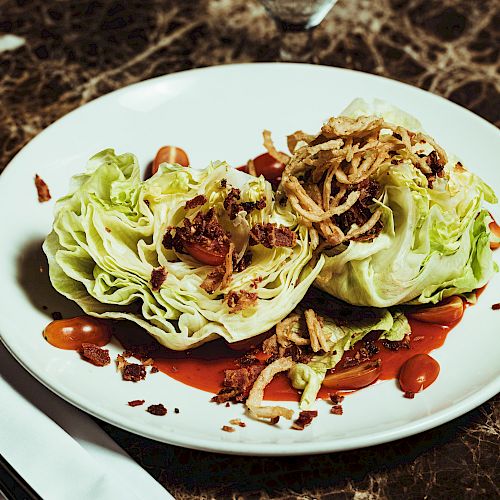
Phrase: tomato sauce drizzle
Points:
(203, 367)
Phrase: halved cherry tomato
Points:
(446, 312)
(418, 373)
(495, 229)
(169, 154)
(354, 378)
(205, 255)
(71, 333)
(267, 166)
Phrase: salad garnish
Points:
(366, 227)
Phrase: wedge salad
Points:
(371, 222)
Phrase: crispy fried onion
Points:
(256, 396)
(286, 332)
(221, 276)
(315, 328)
(331, 178)
(271, 148)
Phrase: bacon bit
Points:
(133, 372)
(255, 282)
(95, 355)
(495, 307)
(42, 189)
(237, 301)
(158, 276)
(238, 422)
(272, 236)
(270, 345)
(158, 409)
(305, 418)
(154, 369)
(237, 384)
(197, 201)
(136, 402)
(397, 344)
(227, 405)
(336, 398)
(231, 204)
(409, 395)
(228, 428)
(336, 410)
(204, 230)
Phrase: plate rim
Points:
(248, 448)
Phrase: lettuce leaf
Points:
(341, 336)
(434, 244)
(107, 238)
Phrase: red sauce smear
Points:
(203, 367)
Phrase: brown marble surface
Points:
(66, 53)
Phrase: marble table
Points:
(58, 55)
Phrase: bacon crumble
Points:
(271, 236)
(305, 418)
(94, 354)
(336, 398)
(136, 402)
(158, 276)
(197, 201)
(134, 372)
(204, 230)
(396, 345)
(42, 189)
(228, 428)
(158, 410)
(496, 307)
(336, 410)
(233, 206)
(237, 384)
(237, 301)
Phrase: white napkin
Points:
(58, 450)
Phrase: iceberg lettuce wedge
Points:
(434, 242)
(107, 239)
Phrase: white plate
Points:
(219, 113)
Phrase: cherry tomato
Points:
(446, 312)
(354, 378)
(169, 154)
(418, 373)
(205, 255)
(71, 333)
(495, 229)
(267, 166)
